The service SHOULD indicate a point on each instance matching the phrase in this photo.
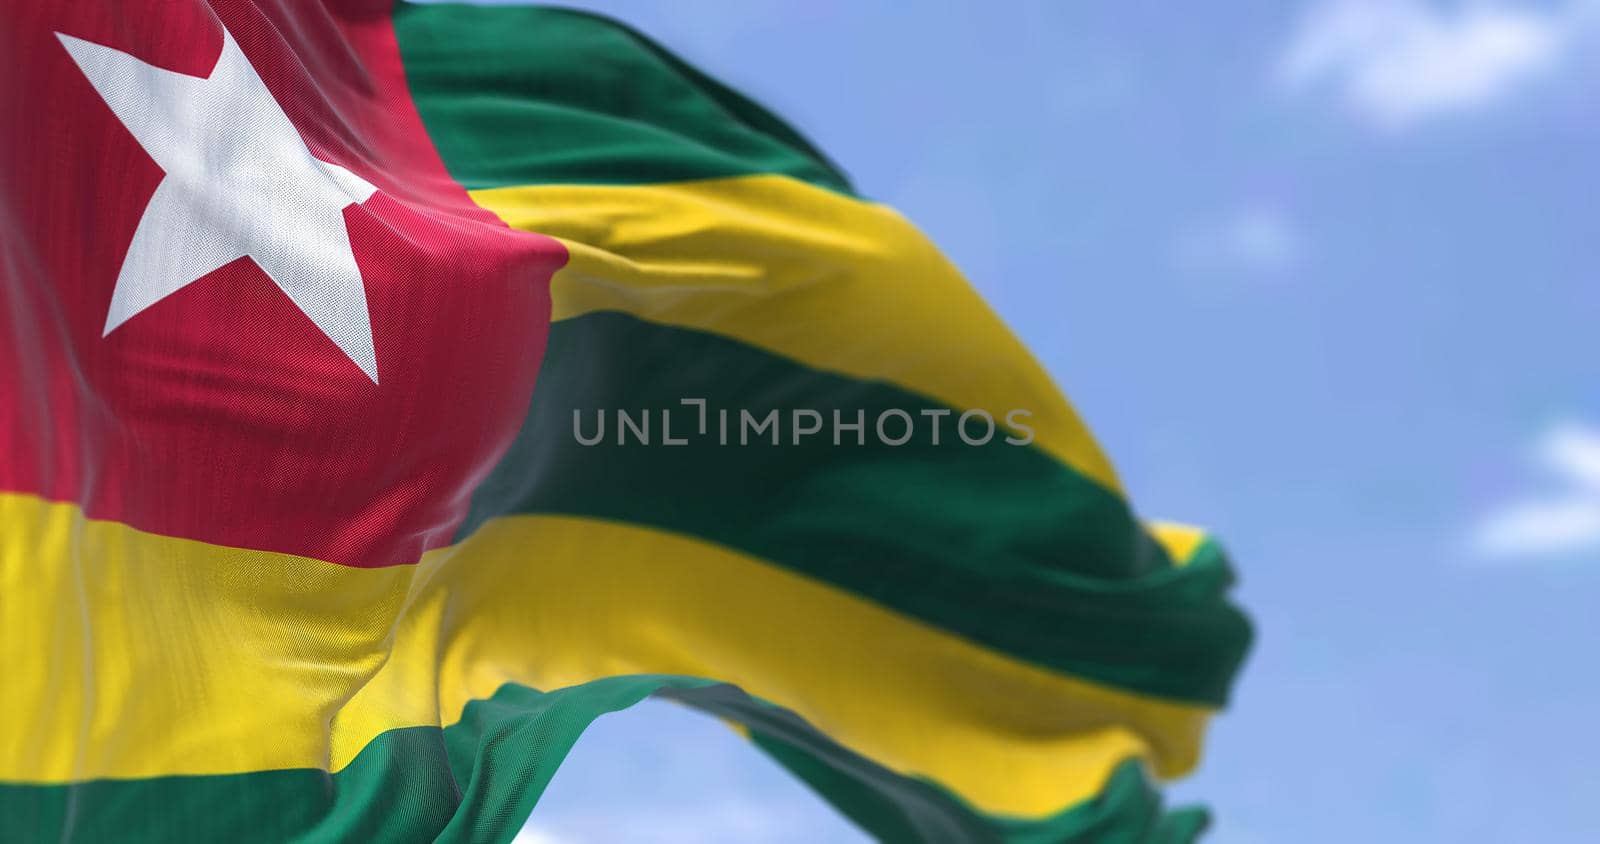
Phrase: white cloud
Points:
(1574, 451)
(1252, 240)
(1566, 522)
(533, 835)
(1397, 62)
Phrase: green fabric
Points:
(399, 789)
(1000, 543)
(474, 781)
(521, 95)
(478, 780)
(895, 808)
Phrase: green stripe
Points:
(897, 808)
(398, 789)
(1000, 543)
(518, 95)
(478, 781)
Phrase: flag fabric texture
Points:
(387, 391)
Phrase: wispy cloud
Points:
(1398, 62)
(1254, 240)
(531, 834)
(1565, 521)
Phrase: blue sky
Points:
(1321, 276)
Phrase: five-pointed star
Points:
(239, 181)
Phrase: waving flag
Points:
(388, 392)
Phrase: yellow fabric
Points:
(172, 656)
(829, 281)
(1179, 540)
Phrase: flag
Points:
(388, 391)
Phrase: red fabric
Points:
(222, 413)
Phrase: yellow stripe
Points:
(134, 655)
(832, 282)
(1179, 540)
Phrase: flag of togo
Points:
(386, 392)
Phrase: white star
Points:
(239, 181)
